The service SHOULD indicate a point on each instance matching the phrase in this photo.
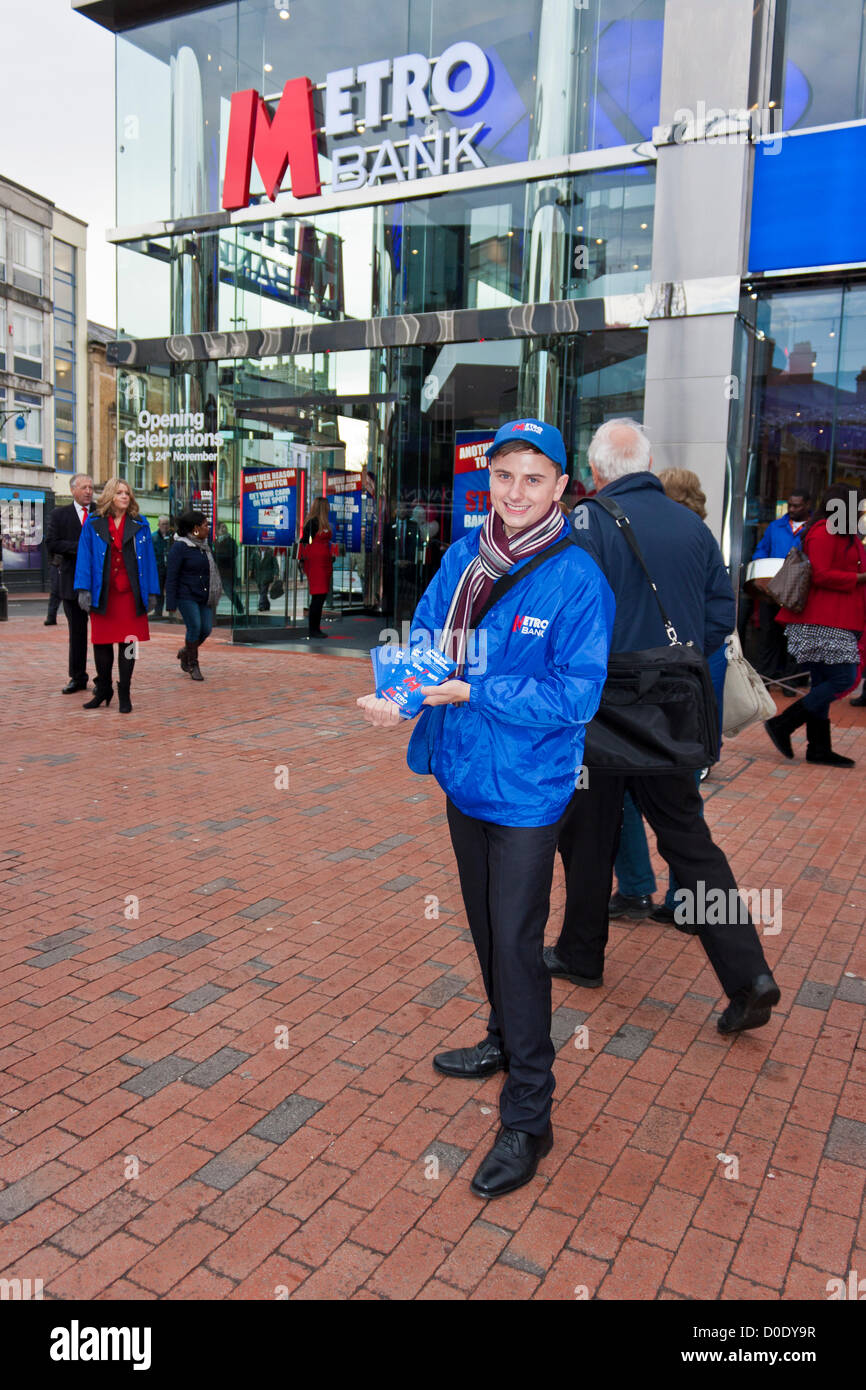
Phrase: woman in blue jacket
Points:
(504, 739)
(116, 579)
(193, 586)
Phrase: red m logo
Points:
(287, 141)
(517, 623)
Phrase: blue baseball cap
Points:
(544, 437)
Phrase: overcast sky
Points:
(57, 123)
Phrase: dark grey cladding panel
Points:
(352, 335)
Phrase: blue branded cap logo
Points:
(547, 438)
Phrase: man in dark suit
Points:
(64, 531)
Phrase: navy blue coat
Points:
(680, 553)
(187, 575)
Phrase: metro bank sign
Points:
(288, 139)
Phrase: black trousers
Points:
(588, 842)
(76, 621)
(53, 592)
(505, 877)
(773, 651)
(314, 616)
(103, 655)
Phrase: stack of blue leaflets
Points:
(400, 673)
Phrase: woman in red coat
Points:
(825, 635)
(316, 558)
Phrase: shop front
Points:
(350, 239)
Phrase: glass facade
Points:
(64, 357)
(825, 63)
(375, 427)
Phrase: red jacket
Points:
(317, 561)
(835, 598)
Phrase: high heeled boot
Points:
(194, 668)
(102, 693)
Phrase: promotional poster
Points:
(269, 506)
(471, 481)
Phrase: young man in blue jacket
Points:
(504, 739)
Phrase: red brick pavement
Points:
(220, 1087)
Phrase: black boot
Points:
(102, 694)
(193, 666)
(783, 725)
(818, 748)
(183, 657)
(124, 704)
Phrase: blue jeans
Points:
(827, 682)
(198, 618)
(634, 872)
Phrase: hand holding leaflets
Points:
(407, 680)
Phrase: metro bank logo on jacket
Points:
(511, 755)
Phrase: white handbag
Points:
(746, 699)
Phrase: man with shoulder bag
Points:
(656, 726)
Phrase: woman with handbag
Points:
(316, 562)
(504, 740)
(116, 579)
(824, 633)
(192, 586)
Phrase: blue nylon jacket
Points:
(777, 540)
(511, 755)
(90, 563)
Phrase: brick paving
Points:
(219, 999)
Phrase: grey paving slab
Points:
(812, 994)
(846, 1142)
(49, 958)
(397, 885)
(61, 938)
(216, 885)
(629, 1041)
(138, 829)
(853, 991)
(157, 1075)
(228, 1167)
(262, 908)
(286, 1118)
(563, 1023)
(199, 999)
(216, 1067)
(450, 1156)
(29, 1191)
(440, 991)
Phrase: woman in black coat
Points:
(192, 586)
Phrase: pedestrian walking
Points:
(316, 562)
(62, 538)
(192, 586)
(780, 536)
(692, 584)
(225, 553)
(263, 571)
(504, 739)
(116, 580)
(161, 546)
(636, 881)
(825, 635)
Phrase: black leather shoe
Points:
(482, 1060)
(623, 905)
(71, 688)
(50, 622)
(664, 914)
(556, 967)
(751, 1007)
(511, 1163)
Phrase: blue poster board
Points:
(269, 506)
(471, 481)
(350, 511)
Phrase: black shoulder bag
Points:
(658, 711)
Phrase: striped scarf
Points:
(497, 553)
